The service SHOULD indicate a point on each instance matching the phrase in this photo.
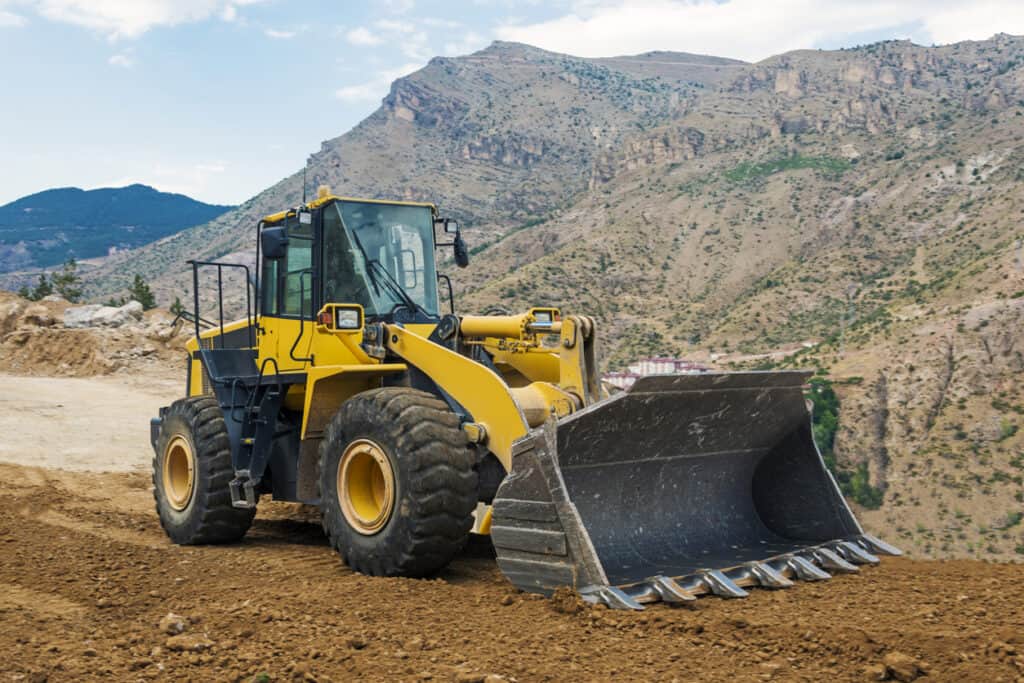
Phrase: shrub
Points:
(67, 283)
(140, 291)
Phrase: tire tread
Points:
(440, 486)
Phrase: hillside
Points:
(499, 138)
(46, 228)
(854, 211)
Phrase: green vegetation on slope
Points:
(750, 170)
(854, 484)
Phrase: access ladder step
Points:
(243, 492)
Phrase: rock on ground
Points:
(95, 315)
(173, 624)
(901, 667)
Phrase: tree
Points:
(43, 289)
(24, 292)
(140, 291)
(67, 283)
(177, 308)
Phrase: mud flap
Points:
(680, 486)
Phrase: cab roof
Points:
(330, 198)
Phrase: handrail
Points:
(451, 295)
(220, 266)
(302, 314)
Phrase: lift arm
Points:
(477, 388)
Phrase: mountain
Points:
(856, 212)
(46, 228)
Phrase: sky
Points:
(219, 99)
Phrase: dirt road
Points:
(84, 424)
(86, 576)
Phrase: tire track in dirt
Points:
(13, 596)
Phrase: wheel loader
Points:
(352, 384)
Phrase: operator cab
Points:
(377, 254)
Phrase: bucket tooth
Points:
(854, 553)
(721, 585)
(768, 576)
(831, 561)
(806, 570)
(878, 546)
(614, 597)
(670, 591)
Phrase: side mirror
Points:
(273, 243)
(450, 225)
(461, 251)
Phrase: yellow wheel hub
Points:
(366, 486)
(179, 473)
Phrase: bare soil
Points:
(95, 424)
(87, 576)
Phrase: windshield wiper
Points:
(368, 262)
(393, 285)
(374, 267)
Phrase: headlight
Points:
(347, 319)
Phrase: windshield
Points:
(379, 256)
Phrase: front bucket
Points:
(682, 485)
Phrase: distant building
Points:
(652, 366)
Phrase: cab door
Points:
(287, 299)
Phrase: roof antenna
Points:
(304, 182)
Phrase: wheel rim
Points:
(179, 475)
(366, 486)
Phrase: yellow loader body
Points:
(707, 483)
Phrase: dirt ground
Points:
(93, 424)
(87, 580)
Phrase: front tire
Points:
(397, 483)
(191, 471)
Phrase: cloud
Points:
(470, 42)
(413, 42)
(417, 46)
(122, 60)
(10, 19)
(398, 6)
(403, 35)
(194, 180)
(363, 36)
(279, 35)
(119, 19)
(395, 26)
(756, 29)
(375, 88)
(439, 23)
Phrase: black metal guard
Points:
(196, 265)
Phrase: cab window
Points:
(288, 282)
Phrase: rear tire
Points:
(408, 487)
(191, 471)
